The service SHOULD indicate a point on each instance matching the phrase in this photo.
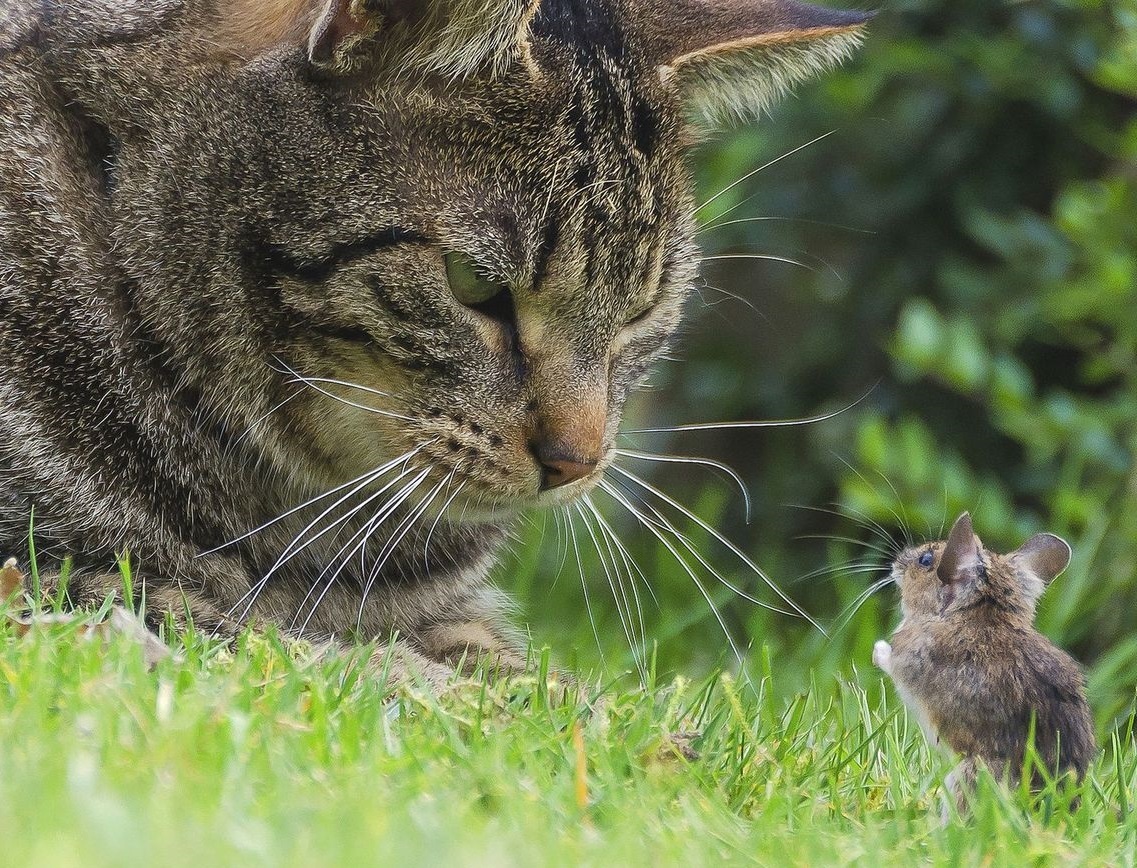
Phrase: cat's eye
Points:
(467, 285)
(926, 559)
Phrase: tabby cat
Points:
(302, 302)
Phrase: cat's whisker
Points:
(265, 417)
(329, 493)
(660, 521)
(623, 610)
(397, 536)
(734, 296)
(628, 563)
(726, 543)
(768, 257)
(762, 423)
(285, 558)
(690, 459)
(619, 498)
(357, 545)
(441, 513)
(289, 551)
(754, 172)
(801, 220)
(314, 383)
(584, 587)
(627, 557)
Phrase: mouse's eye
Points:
(926, 559)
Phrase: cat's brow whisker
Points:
(768, 257)
(726, 543)
(731, 295)
(754, 172)
(762, 423)
(611, 490)
(689, 459)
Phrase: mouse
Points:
(969, 663)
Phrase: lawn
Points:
(264, 754)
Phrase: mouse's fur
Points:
(968, 661)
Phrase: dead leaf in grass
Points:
(11, 580)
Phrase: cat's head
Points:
(475, 212)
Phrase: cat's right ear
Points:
(732, 59)
(451, 37)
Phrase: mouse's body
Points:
(967, 660)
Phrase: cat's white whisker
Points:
(690, 459)
(754, 172)
(357, 544)
(761, 423)
(397, 536)
(768, 257)
(660, 521)
(441, 513)
(611, 490)
(289, 553)
(584, 587)
(734, 549)
(623, 611)
(629, 565)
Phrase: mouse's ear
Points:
(962, 557)
(1045, 555)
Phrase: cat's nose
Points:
(559, 466)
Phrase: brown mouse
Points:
(968, 661)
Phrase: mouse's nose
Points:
(559, 467)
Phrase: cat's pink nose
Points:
(559, 468)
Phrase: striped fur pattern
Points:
(230, 345)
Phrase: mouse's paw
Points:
(882, 656)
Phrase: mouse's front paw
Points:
(882, 655)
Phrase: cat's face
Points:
(471, 274)
(504, 283)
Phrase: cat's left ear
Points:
(732, 59)
(450, 37)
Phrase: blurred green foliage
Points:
(967, 236)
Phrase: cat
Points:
(303, 302)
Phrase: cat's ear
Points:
(962, 558)
(732, 59)
(450, 37)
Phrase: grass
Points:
(264, 755)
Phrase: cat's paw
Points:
(882, 655)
